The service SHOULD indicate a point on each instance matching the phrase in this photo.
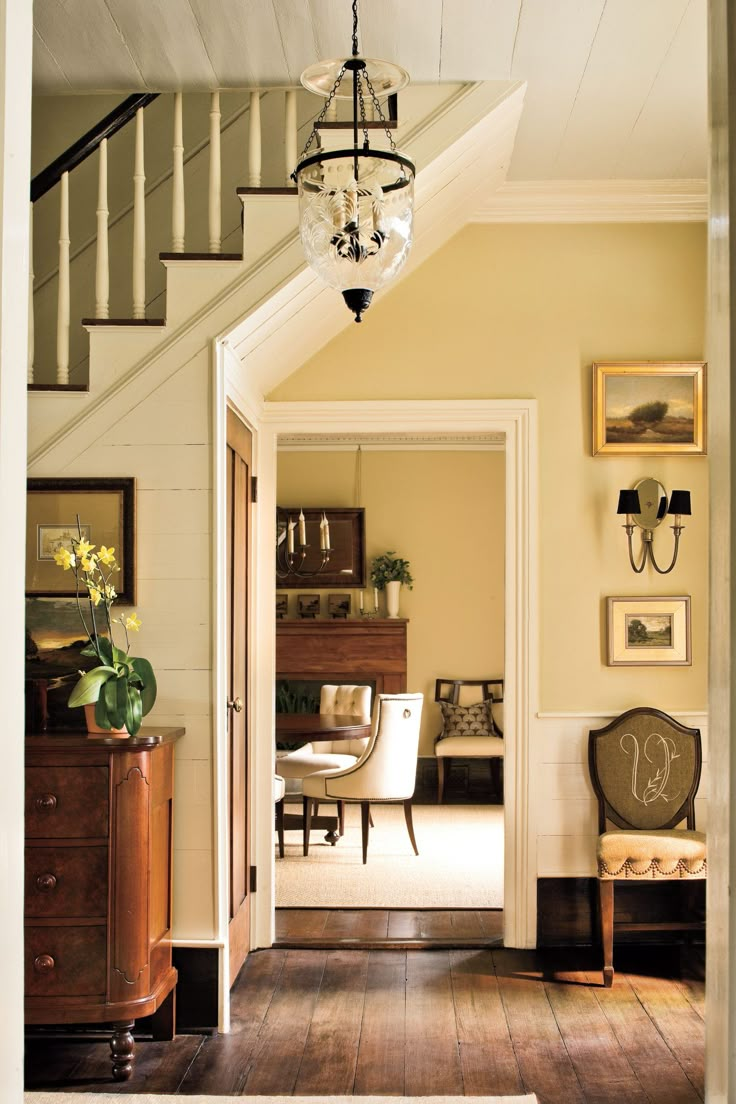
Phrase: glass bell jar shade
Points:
(355, 216)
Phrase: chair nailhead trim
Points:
(686, 871)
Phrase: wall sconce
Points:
(292, 547)
(646, 506)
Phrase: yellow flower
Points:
(84, 548)
(107, 556)
(88, 563)
(132, 622)
(95, 594)
(64, 558)
(110, 592)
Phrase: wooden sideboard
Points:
(99, 835)
(371, 650)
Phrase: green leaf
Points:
(88, 688)
(133, 711)
(115, 715)
(119, 656)
(101, 713)
(148, 695)
(90, 650)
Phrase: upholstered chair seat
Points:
(304, 761)
(318, 755)
(470, 747)
(385, 773)
(469, 730)
(660, 855)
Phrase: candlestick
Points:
(302, 529)
(290, 536)
(375, 598)
(360, 600)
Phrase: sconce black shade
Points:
(662, 508)
(679, 503)
(628, 502)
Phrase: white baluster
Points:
(177, 209)
(370, 112)
(331, 113)
(31, 334)
(254, 141)
(215, 175)
(62, 315)
(102, 273)
(139, 221)
(290, 134)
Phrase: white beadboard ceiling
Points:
(616, 89)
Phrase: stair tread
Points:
(124, 322)
(200, 256)
(266, 191)
(70, 387)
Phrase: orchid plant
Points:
(123, 689)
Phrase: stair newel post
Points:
(290, 151)
(139, 220)
(215, 222)
(102, 271)
(62, 314)
(177, 209)
(31, 323)
(254, 141)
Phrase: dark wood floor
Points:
(464, 1022)
(400, 929)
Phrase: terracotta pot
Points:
(94, 729)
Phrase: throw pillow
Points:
(468, 720)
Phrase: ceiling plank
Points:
(671, 134)
(553, 65)
(242, 41)
(165, 42)
(88, 51)
(296, 29)
(478, 39)
(409, 33)
(47, 73)
(628, 52)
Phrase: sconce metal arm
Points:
(629, 533)
(647, 540)
(676, 529)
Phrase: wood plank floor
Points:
(399, 929)
(464, 1022)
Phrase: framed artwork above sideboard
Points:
(346, 564)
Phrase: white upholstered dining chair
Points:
(386, 773)
(319, 755)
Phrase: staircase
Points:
(251, 288)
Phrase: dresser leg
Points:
(122, 1050)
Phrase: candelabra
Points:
(292, 546)
(645, 506)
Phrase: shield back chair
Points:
(645, 769)
(319, 755)
(469, 731)
(385, 774)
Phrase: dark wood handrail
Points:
(81, 149)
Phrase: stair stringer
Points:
(275, 312)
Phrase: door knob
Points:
(237, 705)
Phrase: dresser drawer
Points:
(66, 881)
(66, 802)
(65, 962)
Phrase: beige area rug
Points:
(460, 861)
(147, 1098)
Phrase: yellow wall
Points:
(444, 512)
(523, 311)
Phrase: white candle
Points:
(302, 529)
(322, 543)
(290, 536)
(375, 597)
(327, 533)
(360, 600)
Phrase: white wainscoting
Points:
(566, 809)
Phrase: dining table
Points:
(301, 728)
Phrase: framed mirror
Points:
(653, 503)
(346, 565)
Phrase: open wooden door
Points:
(239, 461)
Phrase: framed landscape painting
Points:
(649, 408)
(646, 632)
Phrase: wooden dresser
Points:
(98, 883)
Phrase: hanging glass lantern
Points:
(356, 205)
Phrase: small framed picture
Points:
(282, 606)
(338, 605)
(649, 409)
(647, 632)
(308, 605)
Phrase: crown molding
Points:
(596, 201)
(392, 442)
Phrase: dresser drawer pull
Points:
(43, 964)
(46, 882)
(46, 801)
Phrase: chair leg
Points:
(370, 817)
(410, 824)
(605, 890)
(365, 816)
(341, 818)
(307, 804)
(280, 826)
(442, 764)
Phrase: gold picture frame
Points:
(649, 632)
(669, 399)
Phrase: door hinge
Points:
(254, 488)
(253, 879)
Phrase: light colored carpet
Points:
(147, 1098)
(460, 861)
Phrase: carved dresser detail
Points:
(99, 837)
